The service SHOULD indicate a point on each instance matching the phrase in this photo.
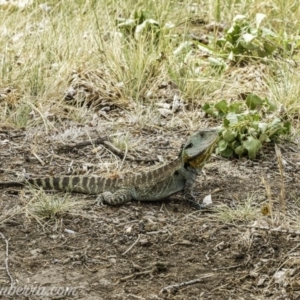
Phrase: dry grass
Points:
(76, 50)
(67, 74)
(242, 212)
(50, 43)
(44, 207)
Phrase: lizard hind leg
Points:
(119, 197)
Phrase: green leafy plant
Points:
(248, 39)
(139, 24)
(245, 125)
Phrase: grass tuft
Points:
(44, 207)
(243, 212)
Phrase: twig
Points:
(293, 249)
(266, 228)
(67, 148)
(185, 283)
(158, 232)
(136, 297)
(228, 268)
(38, 158)
(12, 282)
(137, 274)
(132, 245)
(216, 191)
(106, 143)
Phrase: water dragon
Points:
(157, 184)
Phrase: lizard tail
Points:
(11, 183)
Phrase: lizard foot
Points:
(196, 205)
(101, 199)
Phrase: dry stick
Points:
(137, 274)
(6, 261)
(282, 200)
(38, 158)
(66, 148)
(277, 270)
(185, 283)
(132, 245)
(228, 268)
(293, 249)
(266, 228)
(102, 141)
(136, 297)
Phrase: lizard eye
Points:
(202, 134)
(190, 145)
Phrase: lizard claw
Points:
(199, 206)
(196, 205)
(99, 201)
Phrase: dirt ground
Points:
(152, 250)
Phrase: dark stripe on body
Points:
(92, 185)
(74, 182)
(65, 183)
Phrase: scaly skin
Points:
(160, 183)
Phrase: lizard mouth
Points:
(198, 161)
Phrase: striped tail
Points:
(81, 184)
(11, 183)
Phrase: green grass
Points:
(41, 52)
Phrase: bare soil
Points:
(139, 250)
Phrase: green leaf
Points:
(234, 144)
(253, 101)
(248, 41)
(226, 122)
(235, 107)
(221, 106)
(247, 37)
(232, 118)
(218, 62)
(227, 152)
(141, 16)
(222, 145)
(287, 126)
(207, 108)
(252, 145)
(276, 122)
(229, 135)
(262, 127)
(127, 24)
(240, 150)
(148, 25)
(259, 17)
(268, 32)
(271, 105)
(252, 131)
(231, 56)
(269, 48)
(264, 138)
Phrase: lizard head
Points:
(198, 148)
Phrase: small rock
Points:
(144, 242)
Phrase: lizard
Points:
(178, 175)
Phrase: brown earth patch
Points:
(137, 250)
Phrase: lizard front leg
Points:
(188, 194)
(119, 197)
